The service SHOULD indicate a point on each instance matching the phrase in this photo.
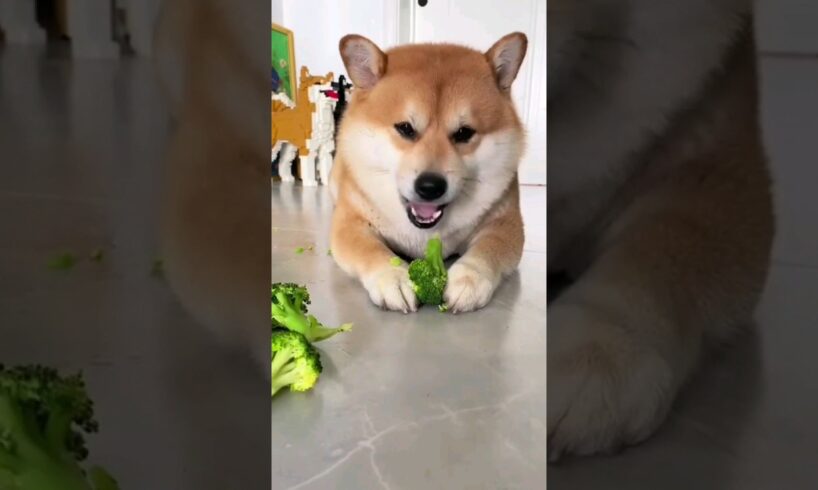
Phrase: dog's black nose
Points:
(430, 186)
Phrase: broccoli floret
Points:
(63, 261)
(290, 293)
(428, 275)
(288, 310)
(43, 420)
(295, 363)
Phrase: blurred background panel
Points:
(747, 421)
(83, 133)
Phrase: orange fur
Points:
(675, 260)
(215, 239)
(438, 88)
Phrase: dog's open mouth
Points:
(424, 215)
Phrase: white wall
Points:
(318, 25)
(787, 26)
(277, 12)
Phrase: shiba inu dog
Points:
(215, 239)
(659, 207)
(429, 144)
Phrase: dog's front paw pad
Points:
(391, 288)
(468, 288)
(605, 391)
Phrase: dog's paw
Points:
(606, 389)
(469, 287)
(390, 287)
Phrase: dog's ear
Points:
(364, 61)
(506, 56)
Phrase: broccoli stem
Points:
(30, 466)
(280, 359)
(299, 301)
(8, 464)
(6, 479)
(285, 378)
(42, 470)
(281, 370)
(434, 254)
(57, 475)
(9, 414)
(57, 428)
(38, 447)
(317, 332)
(291, 315)
(293, 318)
(10, 448)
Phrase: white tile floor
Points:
(426, 400)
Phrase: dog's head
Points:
(428, 123)
(307, 79)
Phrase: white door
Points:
(479, 23)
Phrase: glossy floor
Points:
(79, 171)
(426, 400)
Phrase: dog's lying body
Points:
(658, 207)
(216, 197)
(430, 143)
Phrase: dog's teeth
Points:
(425, 219)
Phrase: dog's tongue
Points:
(424, 211)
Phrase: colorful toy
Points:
(276, 86)
(342, 88)
(280, 101)
(307, 128)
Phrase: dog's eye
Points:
(406, 130)
(463, 134)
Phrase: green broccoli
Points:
(43, 420)
(295, 363)
(288, 310)
(64, 261)
(428, 275)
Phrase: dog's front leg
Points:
(623, 339)
(493, 252)
(360, 252)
